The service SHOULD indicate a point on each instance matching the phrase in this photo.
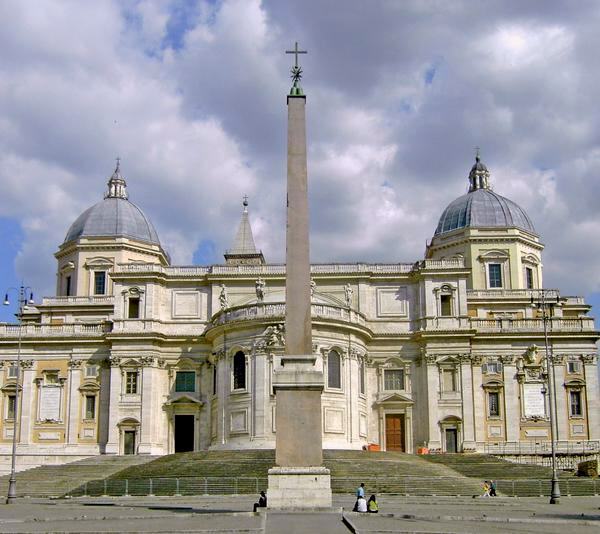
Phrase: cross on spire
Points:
(296, 52)
(477, 149)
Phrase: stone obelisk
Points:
(299, 479)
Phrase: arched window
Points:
(239, 370)
(334, 375)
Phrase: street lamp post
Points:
(546, 299)
(23, 301)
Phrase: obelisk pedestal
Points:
(299, 480)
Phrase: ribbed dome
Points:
(114, 216)
(481, 207)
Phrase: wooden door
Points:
(394, 432)
(451, 440)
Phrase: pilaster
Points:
(512, 411)
(112, 445)
(27, 402)
(74, 405)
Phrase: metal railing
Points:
(408, 485)
(543, 447)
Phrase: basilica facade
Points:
(447, 354)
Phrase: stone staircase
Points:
(58, 480)
(486, 467)
(245, 471)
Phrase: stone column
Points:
(147, 423)
(73, 407)
(562, 407)
(479, 406)
(299, 480)
(592, 410)
(467, 403)
(27, 402)
(433, 393)
(512, 409)
(112, 445)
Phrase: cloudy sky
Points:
(191, 95)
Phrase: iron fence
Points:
(409, 485)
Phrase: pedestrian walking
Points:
(492, 489)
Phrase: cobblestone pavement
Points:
(232, 514)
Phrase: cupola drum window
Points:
(99, 283)
(495, 272)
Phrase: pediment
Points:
(184, 363)
(182, 398)
(394, 397)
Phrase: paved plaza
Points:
(231, 514)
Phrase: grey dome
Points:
(483, 208)
(113, 217)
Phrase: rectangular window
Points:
(576, 410)
(528, 277)
(12, 371)
(214, 379)
(185, 381)
(131, 382)
(393, 379)
(133, 311)
(68, 286)
(11, 405)
(99, 283)
(90, 406)
(573, 367)
(495, 273)
(493, 368)
(91, 371)
(361, 370)
(448, 380)
(446, 305)
(494, 404)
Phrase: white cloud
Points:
(398, 96)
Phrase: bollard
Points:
(151, 493)
(126, 487)
(177, 492)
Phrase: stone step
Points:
(57, 480)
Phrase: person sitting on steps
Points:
(262, 501)
(372, 505)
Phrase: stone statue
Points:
(531, 356)
(223, 300)
(260, 289)
(313, 287)
(348, 292)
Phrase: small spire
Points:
(479, 177)
(244, 250)
(117, 187)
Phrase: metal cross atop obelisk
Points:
(299, 480)
(296, 52)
